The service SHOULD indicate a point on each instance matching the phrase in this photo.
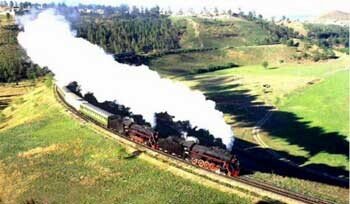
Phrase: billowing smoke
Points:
(50, 42)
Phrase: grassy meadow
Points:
(189, 63)
(200, 32)
(310, 102)
(324, 105)
(330, 96)
(48, 157)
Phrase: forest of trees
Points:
(329, 36)
(139, 31)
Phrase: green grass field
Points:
(47, 157)
(184, 63)
(312, 101)
(324, 105)
(317, 103)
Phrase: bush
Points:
(316, 57)
(265, 64)
(49, 80)
(212, 68)
(290, 42)
(2, 117)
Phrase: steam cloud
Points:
(49, 41)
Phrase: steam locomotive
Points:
(211, 158)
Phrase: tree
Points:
(216, 11)
(240, 12)
(265, 64)
(124, 9)
(135, 11)
(155, 11)
(290, 42)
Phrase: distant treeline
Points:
(213, 68)
(329, 36)
(139, 31)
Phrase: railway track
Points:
(248, 184)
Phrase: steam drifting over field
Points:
(49, 41)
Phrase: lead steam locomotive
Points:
(211, 158)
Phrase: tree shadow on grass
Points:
(247, 112)
(133, 155)
(4, 103)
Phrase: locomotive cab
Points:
(233, 167)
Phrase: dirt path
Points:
(256, 130)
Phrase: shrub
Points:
(265, 64)
(316, 57)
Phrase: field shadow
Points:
(8, 96)
(4, 103)
(249, 113)
(133, 155)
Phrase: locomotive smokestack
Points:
(50, 42)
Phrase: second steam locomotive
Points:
(212, 158)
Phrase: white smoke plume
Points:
(49, 41)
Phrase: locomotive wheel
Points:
(194, 161)
(201, 163)
(212, 167)
(206, 164)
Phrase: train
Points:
(211, 158)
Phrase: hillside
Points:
(203, 61)
(213, 44)
(298, 26)
(193, 62)
(48, 157)
(201, 32)
(333, 17)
